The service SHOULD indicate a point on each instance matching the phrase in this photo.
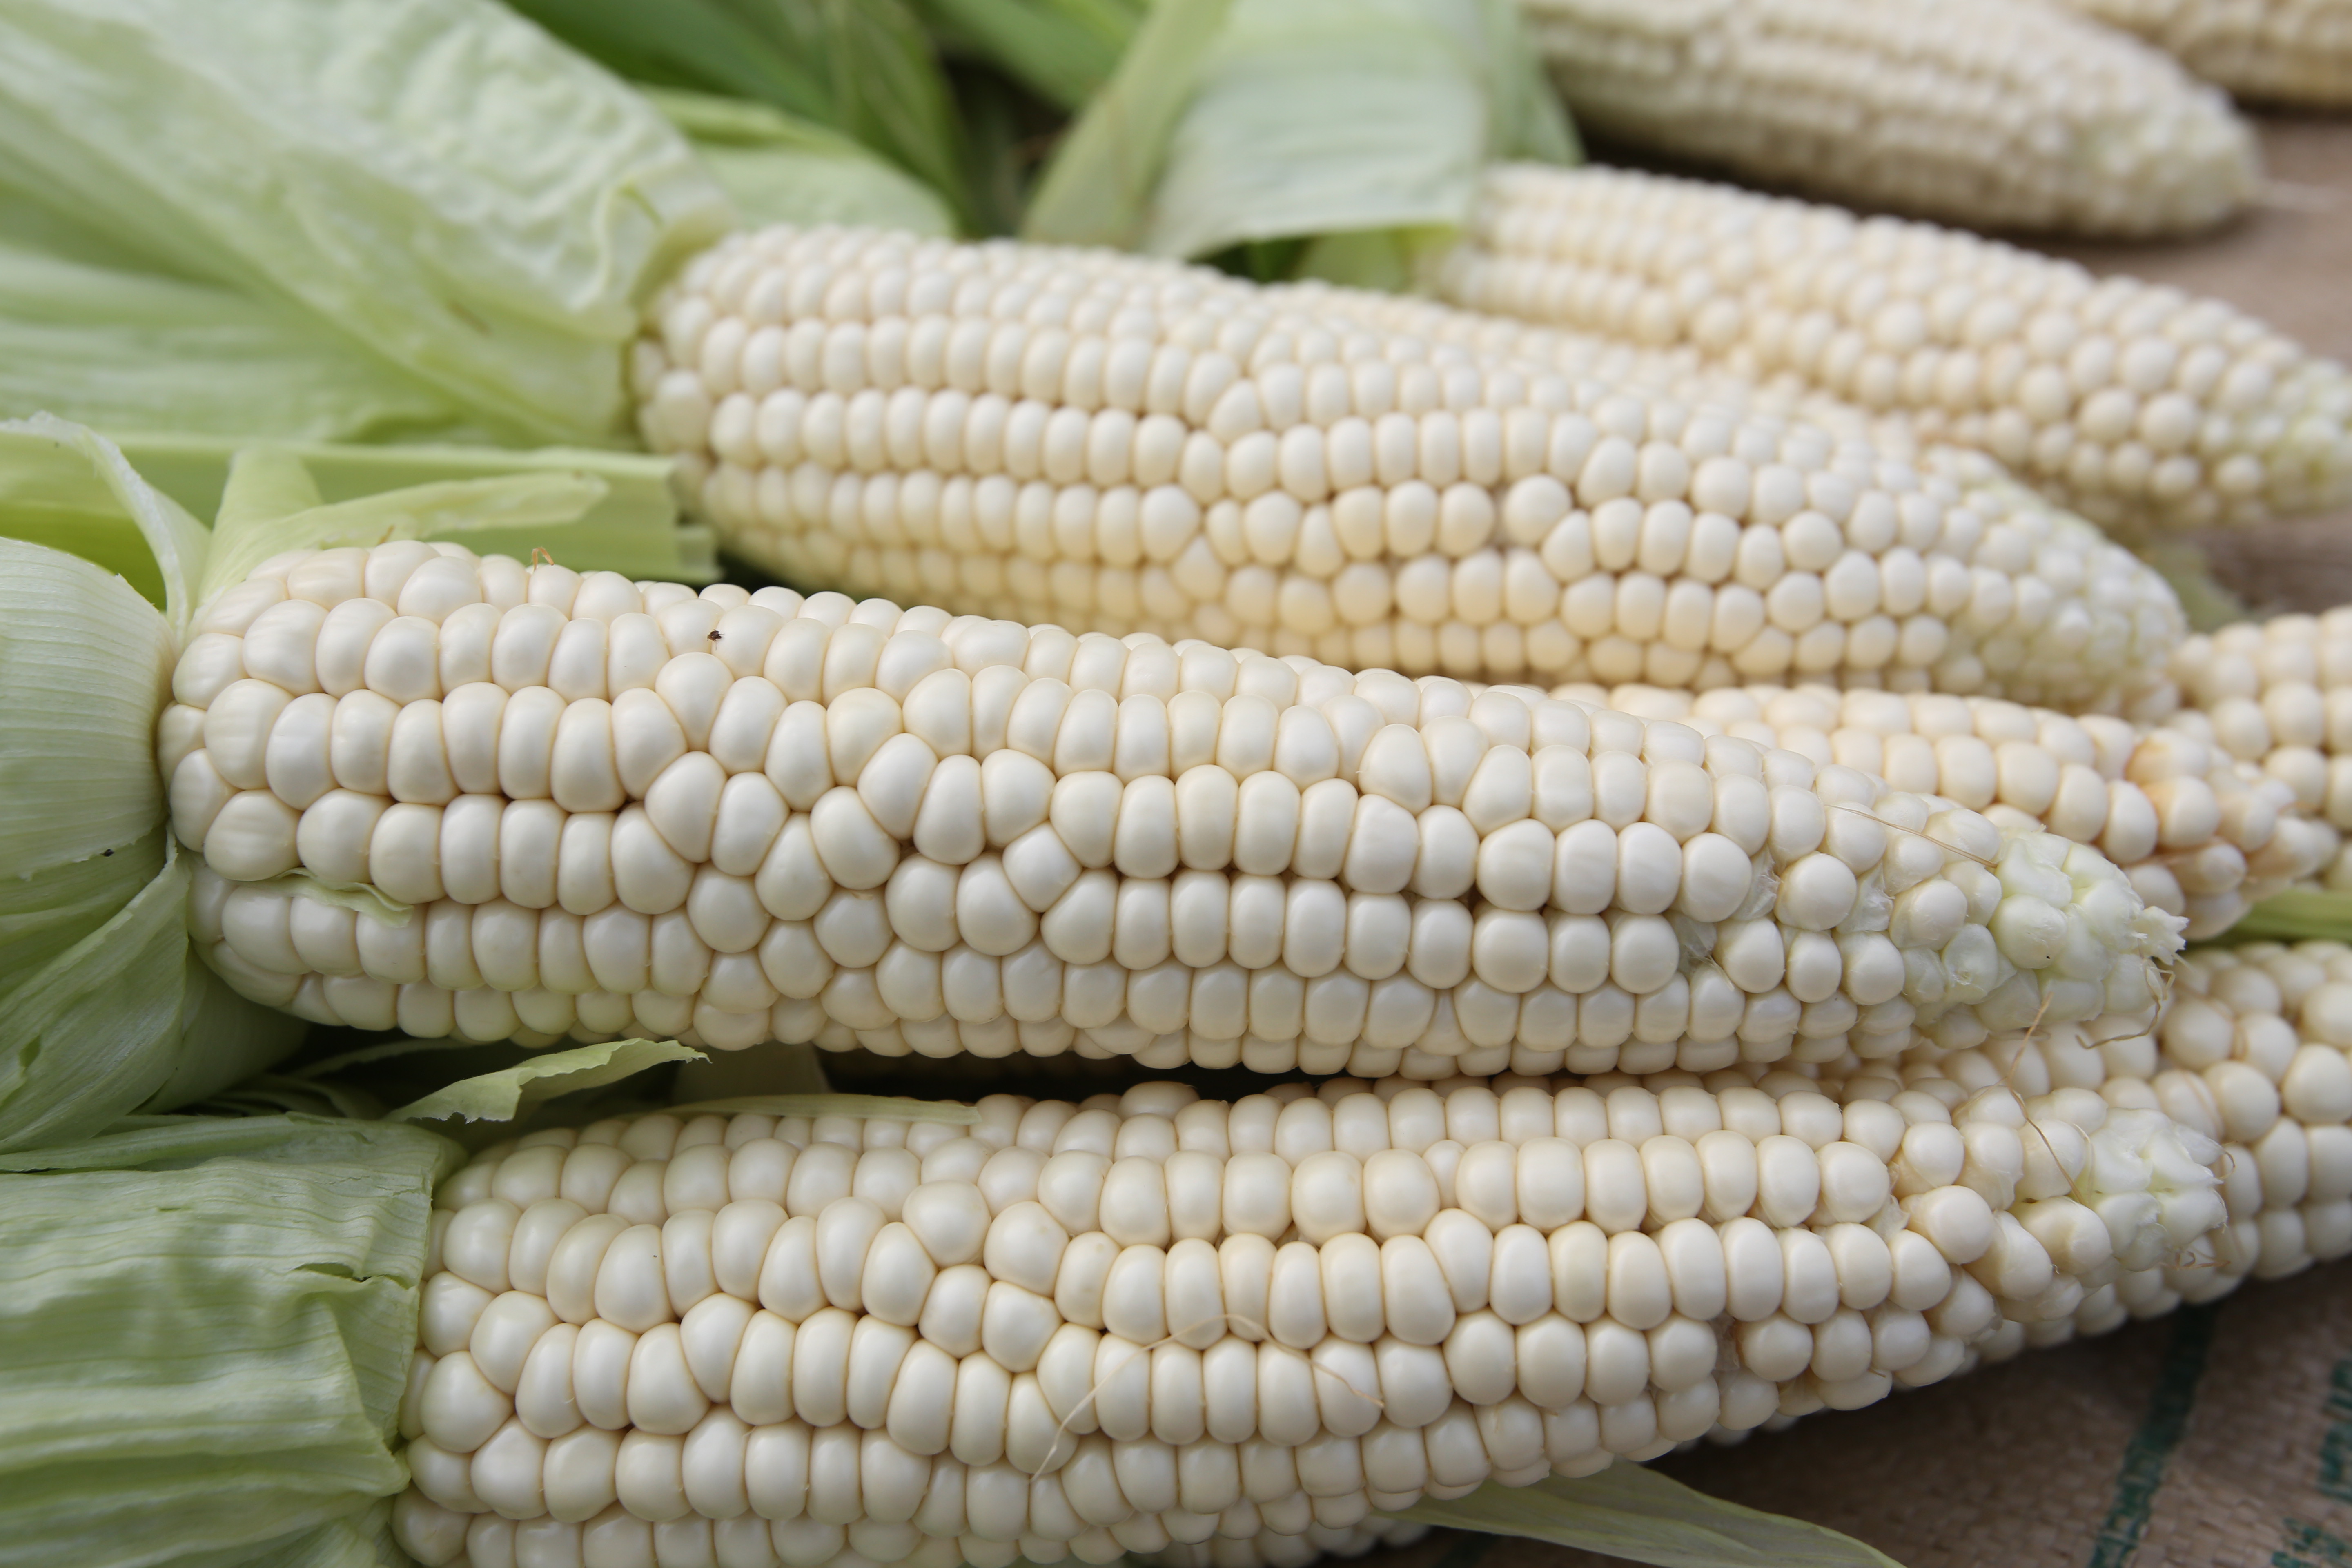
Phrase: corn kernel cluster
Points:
(2200, 832)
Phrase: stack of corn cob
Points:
(1862, 984)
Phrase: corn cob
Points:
(2277, 695)
(2254, 1052)
(1983, 113)
(1074, 1329)
(1118, 444)
(2276, 51)
(2135, 405)
(2200, 834)
(577, 805)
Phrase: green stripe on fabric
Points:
(2334, 1478)
(2310, 1545)
(2151, 1446)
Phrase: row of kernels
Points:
(1273, 574)
(446, 1522)
(1292, 1119)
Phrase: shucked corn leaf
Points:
(209, 1324)
(1064, 51)
(780, 168)
(1629, 1512)
(864, 68)
(1361, 125)
(435, 181)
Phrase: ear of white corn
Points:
(2134, 403)
(2202, 832)
(2277, 696)
(1116, 444)
(1077, 1330)
(2254, 1053)
(2275, 51)
(460, 796)
(1991, 114)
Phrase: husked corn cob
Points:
(1118, 444)
(2254, 1052)
(1983, 113)
(2277, 695)
(597, 807)
(2200, 833)
(2277, 51)
(2135, 405)
(1074, 1329)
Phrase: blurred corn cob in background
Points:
(2139, 407)
(2274, 51)
(1988, 114)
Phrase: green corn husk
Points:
(209, 1324)
(435, 181)
(1063, 50)
(780, 168)
(1629, 1511)
(1356, 127)
(864, 68)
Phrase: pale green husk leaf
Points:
(1064, 51)
(251, 528)
(124, 348)
(1302, 119)
(1629, 1511)
(503, 1096)
(103, 1008)
(435, 180)
(782, 169)
(863, 68)
(209, 1323)
(860, 1107)
(632, 528)
(2298, 914)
